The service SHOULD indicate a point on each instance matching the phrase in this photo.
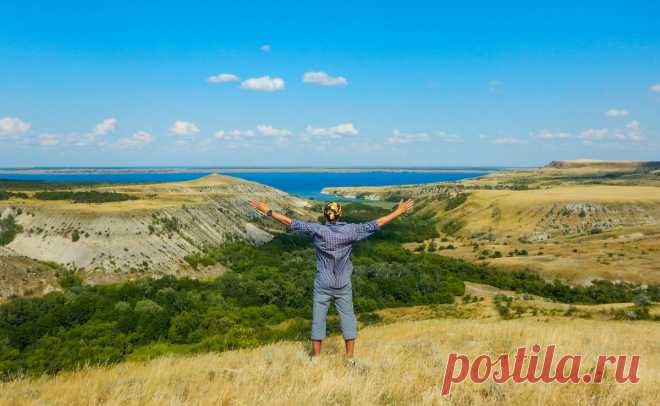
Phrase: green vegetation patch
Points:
(264, 297)
(454, 202)
(91, 196)
(5, 195)
(452, 227)
(9, 229)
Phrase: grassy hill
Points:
(574, 220)
(121, 232)
(400, 363)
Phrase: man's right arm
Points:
(295, 225)
(263, 208)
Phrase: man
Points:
(334, 242)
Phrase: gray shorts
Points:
(343, 298)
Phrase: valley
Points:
(149, 234)
(576, 221)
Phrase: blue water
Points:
(306, 184)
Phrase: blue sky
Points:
(356, 83)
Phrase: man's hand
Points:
(405, 205)
(261, 207)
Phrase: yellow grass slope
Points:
(400, 364)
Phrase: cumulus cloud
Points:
(233, 134)
(263, 84)
(271, 131)
(510, 141)
(655, 88)
(337, 131)
(594, 134)
(605, 134)
(446, 137)
(494, 85)
(266, 48)
(138, 139)
(399, 137)
(323, 79)
(549, 135)
(616, 113)
(104, 127)
(222, 78)
(184, 128)
(13, 125)
(48, 140)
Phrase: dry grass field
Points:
(576, 233)
(399, 364)
(574, 220)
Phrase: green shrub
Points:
(452, 227)
(454, 202)
(9, 229)
(91, 196)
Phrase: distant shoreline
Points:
(165, 170)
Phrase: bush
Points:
(68, 279)
(91, 196)
(452, 227)
(5, 195)
(9, 229)
(454, 202)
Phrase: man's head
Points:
(332, 211)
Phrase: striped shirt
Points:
(334, 243)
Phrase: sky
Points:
(424, 83)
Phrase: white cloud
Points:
(233, 134)
(630, 136)
(616, 113)
(604, 134)
(510, 141)
(272, 131)
(333, 132)
(104, 127)
(184, 128)
(13, 125)
(594, 134)
(494, 85)
(548, 135)
(138, 139)
(448, 137)
(263, 84)
(399, 137)
(633, 125)
(222, 78)
(323, 79)
(266, 48)
(655, 88)
(48, 140)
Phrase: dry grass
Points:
(401, 363)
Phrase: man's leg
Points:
(319, 313)
(350, 346)
(344, 304)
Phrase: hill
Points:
(400, 363)
(573, 220)
(121, 232)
